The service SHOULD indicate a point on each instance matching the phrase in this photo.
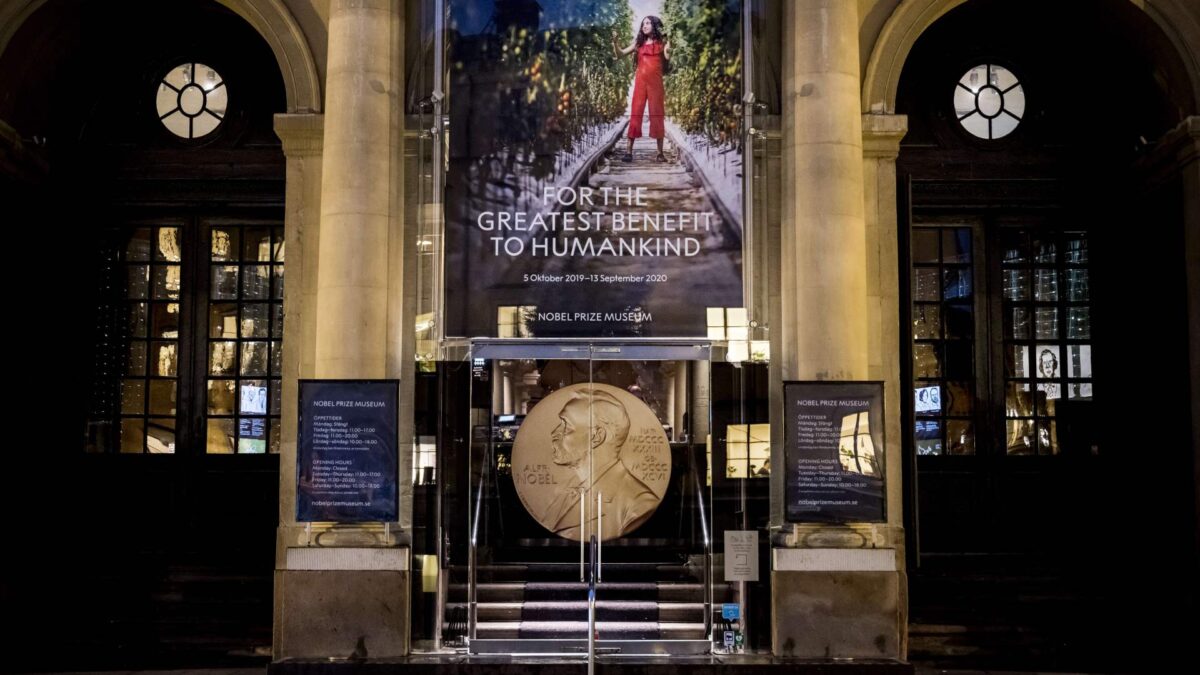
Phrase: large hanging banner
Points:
(594, 183)
(834, 452)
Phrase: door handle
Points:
(582, 554)
(599, 535)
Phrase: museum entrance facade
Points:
(576, 450)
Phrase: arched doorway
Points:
(1040, 256)
(147, 210)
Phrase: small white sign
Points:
(741, 555)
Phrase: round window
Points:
(192, 99)
(989, 101)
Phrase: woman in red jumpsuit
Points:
(652, 51)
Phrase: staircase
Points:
(546, 601)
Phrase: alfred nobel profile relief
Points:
(593, 439)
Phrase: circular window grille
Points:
(192, 99)
(989, 101)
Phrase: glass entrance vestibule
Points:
(550, 453)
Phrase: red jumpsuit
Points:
(648, 87)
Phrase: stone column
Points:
(823, 280)
(301, 136)
(344, 589)
(356, 188)
(836, 591)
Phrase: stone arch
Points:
(911, 18)
(270, 18)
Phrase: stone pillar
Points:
(356, 188)
(823, 280)
(836, 590)
(301, 136)
(340, 590)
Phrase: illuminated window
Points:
(989, 101)
(192, 100)
(748, 451)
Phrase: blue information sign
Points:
(346, 458)
(731, 611)
(834, 451)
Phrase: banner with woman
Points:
(594, 173)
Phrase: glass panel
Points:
(956, 245)
(276, 396)
(1076, 249)
(1079, 360)
(1044, 250)
(220, 437)
(1077, 286)
(137, 319)
(169, 246)
(139, 281)
(224, 244)
(205, 123)
(165, 320)
(960, 399)
(277, 237)
(1046, 323)
(964, 102)
(1045, 287)
(1017, 361)
(960, 437)
(178, 124)
(960, 322)
(222, 320)
(975, 78)
(1017, 401)
(277, 285)
(928, 436)
(1081, 390)
(1079, 324)
(256, 283)
(277, 321)
(252, 435)
(162, 397)
(276, 358)
(221, 394)
(252, 397)
(925, 245)
(960, 360)
(926, 284)
(1016, 284)
(256, 244)
(255, 316)
(222, 358)
(1020, 437)
(1001, 77)
(164, 361)
(273, 445)
(133, 397)
(166, 282)
(135, 363)
(926, 322)
(1047, 397)
(160, 435)
(925, 361)
(1018, 323)
(138, 247)
(1048, 362)
(1048, 438)
(928, 399)
(254, 358)
(133, 433)
(224, 282)
(957, 283)
(1016, 246)
(1004, 123)
(977, 125)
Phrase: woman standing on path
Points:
(653, 52)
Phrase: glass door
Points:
(582, 440)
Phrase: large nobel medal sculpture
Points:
(591, 439)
